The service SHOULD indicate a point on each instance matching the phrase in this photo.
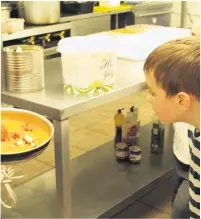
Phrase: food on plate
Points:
(18, 136)
(4, 133)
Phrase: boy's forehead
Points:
(151, 81)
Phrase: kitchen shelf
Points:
(64, 24)
(101, 186)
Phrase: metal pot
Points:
(40, 12)
(5, 12)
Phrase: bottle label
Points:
(132, 132)
(155, 131)
(134, 157)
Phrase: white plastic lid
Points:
(86, 44)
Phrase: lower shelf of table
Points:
(101, 187)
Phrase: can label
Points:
(135, 154)
(122, 154)
(134, 157)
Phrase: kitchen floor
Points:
(92, 129)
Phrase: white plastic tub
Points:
(112, 3)
(88, 65)
(12, 25)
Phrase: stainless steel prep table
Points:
(55, 103)
(67, 22)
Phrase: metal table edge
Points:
(63, 21)
(101, 100)
(66, 112)
(137, 195)
(93, 14)
(28, 105)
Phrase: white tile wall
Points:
(194, 10)
(175, 20)
(194, 7)
(177, 7)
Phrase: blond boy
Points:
(173, 78)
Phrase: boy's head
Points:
(173, 78)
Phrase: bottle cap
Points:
(155, 125)
(132, 109)
(119, 110)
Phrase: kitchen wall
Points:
(194, 13)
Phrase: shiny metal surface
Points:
(90, 25)
(24, 70)
(3, 80)
(65, 23)
(54, 102)
(32, 31)
(92, 15)
(100, 186)
(63, 173)
(154, 12)
(40, 12)
(184, 12)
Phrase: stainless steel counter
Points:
(94, 14)
(54, 102)
(101, 186)
(64, 24)
(36, 30)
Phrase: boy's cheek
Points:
(150, 98)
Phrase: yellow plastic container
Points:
(134, 29)
(124, 31)
(108, 9)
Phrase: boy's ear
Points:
(183, 100)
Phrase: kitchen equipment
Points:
(157, 13)
(32, 118)
(88, 66)
(24, 69)
(5, 12)
(3, 79)
(111, 3)
(40, 12)
(12, 25)
(74, 7)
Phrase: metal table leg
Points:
(117, 21)
(62, 160)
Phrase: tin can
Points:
(121, 151)
(135, 154)
(24, 70)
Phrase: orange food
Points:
(23, 131)
(18, 136)
(4, 133)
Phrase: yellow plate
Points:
(10, 114)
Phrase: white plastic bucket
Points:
(88, 65)
(111, 3)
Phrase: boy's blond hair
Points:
(176, 66)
